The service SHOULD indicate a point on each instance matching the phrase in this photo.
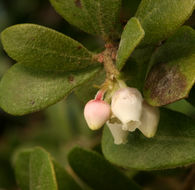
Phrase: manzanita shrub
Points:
(144, 66)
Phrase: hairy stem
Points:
(109, 66)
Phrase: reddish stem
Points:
(99, 95)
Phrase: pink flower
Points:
(97, 112)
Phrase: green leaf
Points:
(182, 106)
(160, 19)
(173, 73)
(98, 173)
(21, 167)
(172, 146)
(45, 49)
(64, 180)
(131, 37)
(21, 162)
(42, 175)
(94, 17)
(24, 90)
(134, 71)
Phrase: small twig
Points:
(107, 58)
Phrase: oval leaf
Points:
(24, 90)
(65, 181)
(160, 19)
(182, 106)
(42, 175)
(95, 17)
(131, 37)
(172, 146)
(97, 172)
(173, 73)
(21, 162)
(134, 71)
(45, 49)
(21, 167)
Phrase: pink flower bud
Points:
(97, 112)
(127, 107)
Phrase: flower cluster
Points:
(127, 112)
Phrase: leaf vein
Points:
(56, 53)
(102, 30)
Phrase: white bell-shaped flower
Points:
(126, 105)
(149, 120)
(119, 135)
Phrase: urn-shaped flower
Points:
(96, 113)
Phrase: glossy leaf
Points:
(98, 173)
(64, 180)
(21, 167)
(42, 175)
(131, 37)
(94, 17)
(173, 72)
(160, 19)
(172, 146)
(24, 90)
(45, 49)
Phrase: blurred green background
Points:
(61, 126)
